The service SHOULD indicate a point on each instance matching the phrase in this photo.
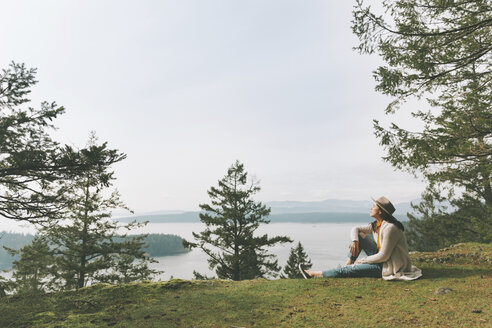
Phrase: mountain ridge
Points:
(330, 210)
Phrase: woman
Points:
(385, 244)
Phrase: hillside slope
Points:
(464, 268)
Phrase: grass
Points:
(361, 302)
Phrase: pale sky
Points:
(186, 87)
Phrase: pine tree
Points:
(34, 271)
(87, 246)
(440, 51)
(32, 165)
(231, 220)
(433, 225)
(297, 256)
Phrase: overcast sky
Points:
(185, 88)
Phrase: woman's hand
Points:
(354, 248)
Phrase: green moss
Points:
(363, 302)
(44, 317)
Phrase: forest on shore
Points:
(155, 245)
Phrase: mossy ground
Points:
(361, 302)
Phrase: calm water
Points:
(325, 243)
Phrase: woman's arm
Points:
(390, 236)
(354, 233)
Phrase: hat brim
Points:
(382, 207)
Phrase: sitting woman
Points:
(387, 258)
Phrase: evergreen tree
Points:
(433, 226)
(87, 246)
(440, 51)
(4, 286)
(34, 271)
(32, 164)
(297, 256)
(231, 220)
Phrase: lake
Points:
(325, 243)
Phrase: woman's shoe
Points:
(303, 272)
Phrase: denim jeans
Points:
(373, 270)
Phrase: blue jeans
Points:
(372, 270)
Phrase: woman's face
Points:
(375, 212)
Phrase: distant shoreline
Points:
(311, 217)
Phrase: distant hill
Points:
(12, 240)
(333, 205)
(330, 210)
(313, 217)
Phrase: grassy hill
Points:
(361, 302)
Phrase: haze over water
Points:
(325, 243)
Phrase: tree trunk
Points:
(236, 276)
(488, 195)
(83, 252)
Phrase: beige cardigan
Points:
(393, 253)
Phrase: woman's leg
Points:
(350, 271)
(366, 244)
(355, 271)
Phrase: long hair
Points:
(386, 217)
